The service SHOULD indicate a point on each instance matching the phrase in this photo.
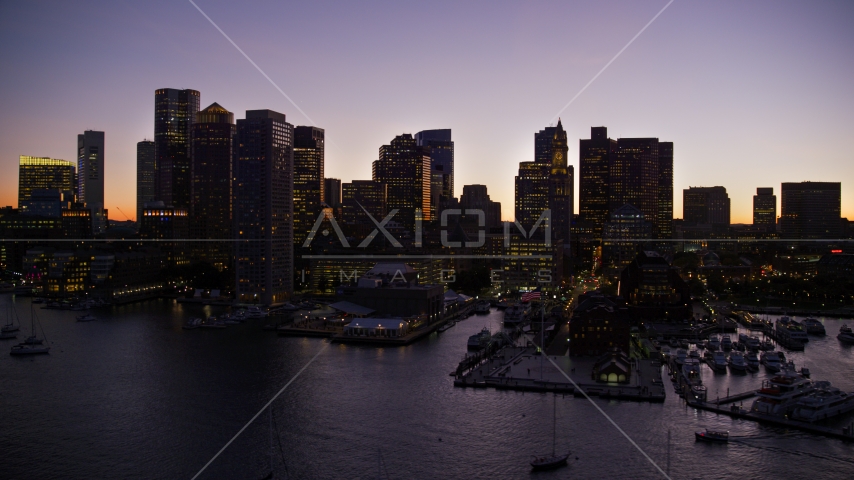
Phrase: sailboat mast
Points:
(271, 441)
(554, 426)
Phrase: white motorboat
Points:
(752, 361)
(825, 402)
(719, 361)
(790, 331)
(771, 360)
(726, 343)
(753, 344)
(479, 340)
(255, 312)
(714, 342)
(779, 395)
(737, 363)
(192, 323)
(814, 327)
(846, 335)
(481, 307)
(681, 355)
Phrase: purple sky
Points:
(752, 93)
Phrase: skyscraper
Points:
(665, 190)
(594, 167)
(90, 176)
(309, 151)
(332, 191)
(811, 210)
(441, 150)
(405, 168)
(263, 207)
(765, 208)
(212, 157)
(543, 145)
(532, 192)
(370, 194)
(42, 173)
(705, 205)
(145, 176)
(561, 186)
(633, 171)
(174, 113)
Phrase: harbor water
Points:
(132, 395)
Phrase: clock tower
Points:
(561, 200)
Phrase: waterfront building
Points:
(406, 170)
(393, 289)
(811, 210)
(765, 209)
(43, 173)
(18, 229)
(309, 182)
(599, 323)
(263, 208)
(145, 176)
(836, 264)
(212, 158)
(164, 223)
(174, 113)
(76, 222)
(440, 147)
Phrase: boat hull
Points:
(548, 463)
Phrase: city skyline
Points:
(741, 89)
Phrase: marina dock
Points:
(522, 368)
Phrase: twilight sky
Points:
(751, 93)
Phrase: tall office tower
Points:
(633, 175)
(665, 190)
(811, 210)
(441, 150)
(145, 192)
(371, 195)
(765, 208)
(309, 182)
(532, 192)
(405, 168)
(90, 176)
(212, 158)
(705, 205)
(475, 197)
(332, 191)
(634, 171)
(561, 183)
(263, 207)
(42, 173)
(174, 113)
(594, 161)
(543, 145)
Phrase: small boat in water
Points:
(32, 345)
(552, 460)
(846, 335)
(726, 343)
(446, 327)
(86, 318)
(711, 436)
(481, 307)
(737, 363)
(814, 327)
(771, 360)
(192, 323)
(719, 361)
(479, 340)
